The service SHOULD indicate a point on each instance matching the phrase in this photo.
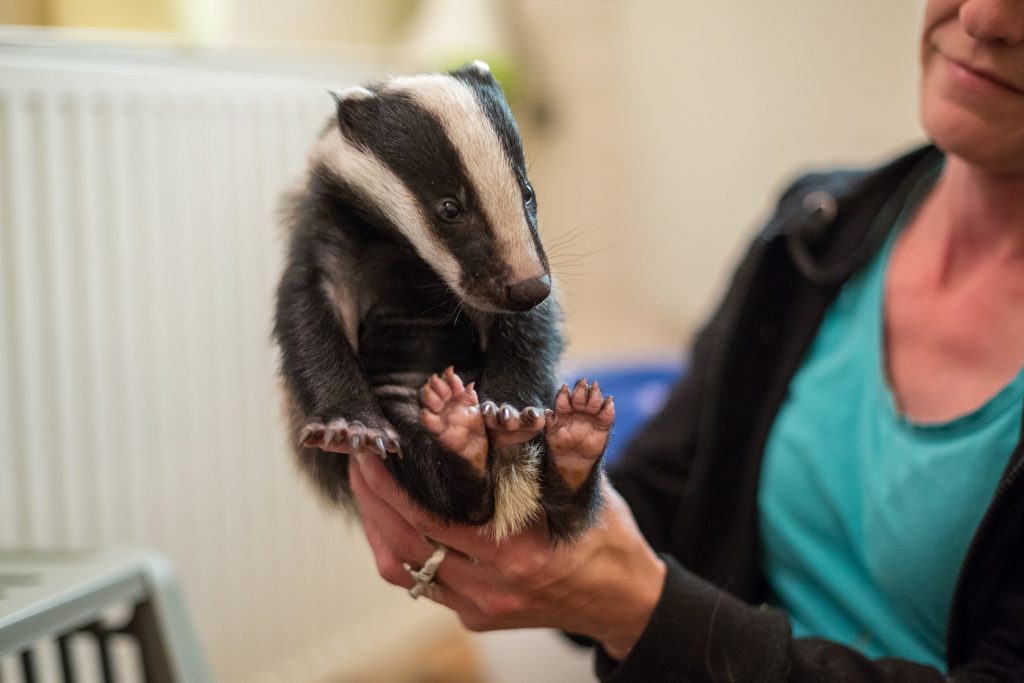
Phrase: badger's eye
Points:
(449, 210)
(528, 194)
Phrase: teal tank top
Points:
(865, 516)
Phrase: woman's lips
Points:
(974, 78)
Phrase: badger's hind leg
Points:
(451, 412)
(446, 464)
(507, 426)
(577, 430)
(493, 440)
(577, 434)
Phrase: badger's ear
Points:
(475, 71)
(346, 103)
(353, 94)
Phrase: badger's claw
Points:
(450, 411)
(311, 434)
(578, 429)
(341, 436)
(507, 426)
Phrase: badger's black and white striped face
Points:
(440, 158)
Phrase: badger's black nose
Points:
(525, 294)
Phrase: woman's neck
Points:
(975, 217)
(954, 297)
(985, 208)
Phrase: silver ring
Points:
(424, 576)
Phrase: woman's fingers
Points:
(396, 541)
(391, 538)
(389, 566)
(471, 541)
(486, 584)
(525, 581)
(460, 582)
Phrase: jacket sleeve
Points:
(701, 633)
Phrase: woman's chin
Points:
(983, 128)
(995, 144)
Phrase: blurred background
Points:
(144, 145)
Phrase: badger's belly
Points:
(399, 352)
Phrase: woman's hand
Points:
(604, 585)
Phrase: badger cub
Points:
(414, 315)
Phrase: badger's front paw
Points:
(577, 430)
(507, 426)
(450, 411)
(349, 437)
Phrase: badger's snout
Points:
(525, 294)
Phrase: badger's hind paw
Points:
(349, 437)
(450, 411)
(507, 426)
(577, 430)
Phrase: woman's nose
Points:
(994, 20)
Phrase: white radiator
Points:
(138, 256)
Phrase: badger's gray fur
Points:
(413, 248)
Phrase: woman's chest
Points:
(951, 348)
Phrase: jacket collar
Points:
(834, 222)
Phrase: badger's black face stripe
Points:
(410, 142)
(415, 147)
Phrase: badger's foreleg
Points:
(342, 436)
(331, 403)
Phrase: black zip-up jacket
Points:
(692, 474)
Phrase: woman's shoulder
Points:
(840, 185)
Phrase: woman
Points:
(846, 448)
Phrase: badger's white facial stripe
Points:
(387, 192)
(456, 107)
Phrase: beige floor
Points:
(448, 657)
